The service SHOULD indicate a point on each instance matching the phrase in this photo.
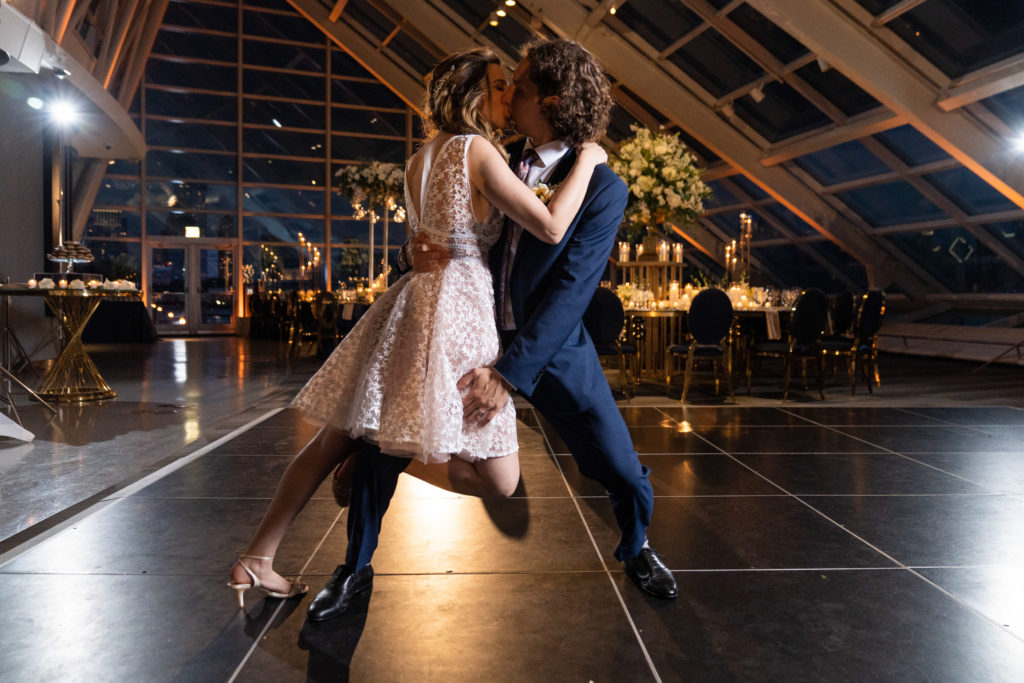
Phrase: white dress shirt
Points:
(548, 157)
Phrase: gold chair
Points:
(804, 341)
(861, 349)
(708, 322)
(604, 321)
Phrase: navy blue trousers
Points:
(599, 442)
(597, 439)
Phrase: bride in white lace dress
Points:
(395, 378)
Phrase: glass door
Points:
(191, 288)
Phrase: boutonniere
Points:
(544, 192)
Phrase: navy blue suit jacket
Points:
(550, 288)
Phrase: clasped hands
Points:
(488, 390)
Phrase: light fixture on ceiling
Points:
(35, 103)
(727, 110)
(757, 94)
(63, 112)
(1018, 144)
(823, 64)
(510, 3)
(501, 13)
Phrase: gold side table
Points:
(73, 377)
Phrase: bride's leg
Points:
(491, 478)
(302, 477)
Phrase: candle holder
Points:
(623, 252)
(677, 252)
(663, 251)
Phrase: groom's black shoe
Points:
(649, 572)
(339, 591)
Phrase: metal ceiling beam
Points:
(876, 121)
(896, 10)
(374, 60)
(641, 74)
(1006, 75)
(952, 210)
(852, 49)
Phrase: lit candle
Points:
(639, 251)
(63, 283)
(677, 252)
(673, 292)
(32, 283)
(623, 252)
(663, 251)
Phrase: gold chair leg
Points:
(821, 378)
(688, 375)
(785, 382)
(728, 372)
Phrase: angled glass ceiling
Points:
(840, 167)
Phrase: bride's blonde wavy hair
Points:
(456, 91)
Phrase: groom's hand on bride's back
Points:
(426, 256)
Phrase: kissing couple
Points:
(493, 304)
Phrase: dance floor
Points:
(876, 538)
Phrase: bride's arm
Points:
(489, 173)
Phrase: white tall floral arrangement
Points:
(663, 178)
(373, 186)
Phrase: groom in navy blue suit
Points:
(559, 98)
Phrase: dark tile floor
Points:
(827, 542)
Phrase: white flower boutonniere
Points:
(544, 192)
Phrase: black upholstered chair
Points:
(327, 312)
(804, 342)
(604, 320)
(862, 348)
(708, 324)
(842, 317)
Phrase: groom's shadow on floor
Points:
(511, 515)
(332, 644)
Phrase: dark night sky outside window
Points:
(715, 63)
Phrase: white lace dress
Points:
(392, 379)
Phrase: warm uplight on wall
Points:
(192, 231)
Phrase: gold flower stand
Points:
(73, 377)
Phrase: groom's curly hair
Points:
(566, 69)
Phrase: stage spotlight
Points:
(64, 113)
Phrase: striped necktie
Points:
(530, 157)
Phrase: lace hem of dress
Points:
(410, 449)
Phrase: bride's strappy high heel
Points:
(294, 587)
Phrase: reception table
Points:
(73, 377)
(654, 330)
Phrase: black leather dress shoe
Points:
(649, 572)
(339, 591)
